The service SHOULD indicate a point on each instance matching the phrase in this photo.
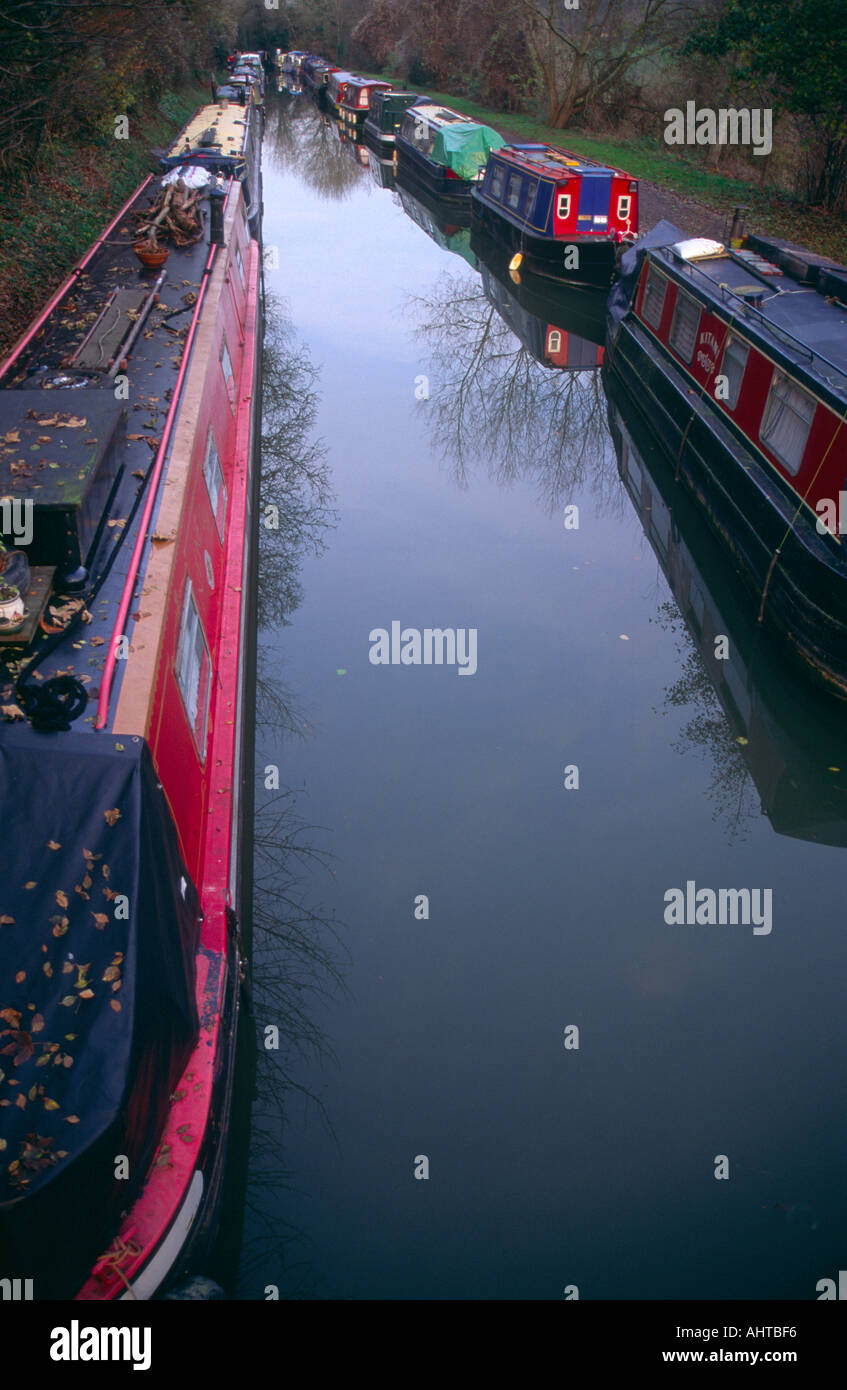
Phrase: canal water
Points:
(498, 1071)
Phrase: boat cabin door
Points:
(595, 192)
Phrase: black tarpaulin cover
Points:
(99, 927)
(621, 297)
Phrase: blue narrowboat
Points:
(442, 152)
(566, 216)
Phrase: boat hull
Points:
(421, 173)
(597, 258)
(803, 596)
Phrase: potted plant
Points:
(11, 606)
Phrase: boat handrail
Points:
(788, 338)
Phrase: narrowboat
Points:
(776, 723)
(741, 366)
(383, 118)
(247, 87)
(129, 422)
(565, 216)
(356, 100)
(335, 89)
(562, 326)
(444, 223)
(443, 152)
(227, 140)
(292, 62)
(315, 71)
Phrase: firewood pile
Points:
(174, 216)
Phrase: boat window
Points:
(732, 367)
(654, 297)
(787, 421)
(229, 374)
(531, 186)
(624, 205)
(215, 487)
(686, 321)
(513, 197)
(554, 340)
(498, 178)
(563, 205)
(194, 670)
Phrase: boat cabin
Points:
(336, 85)
(357, 95)
(768, 350)
(443, 150)
(560, 195)
(386, 113)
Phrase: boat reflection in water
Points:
(447, 225)
(382, 170)
(562, 326)
(497, 403)
(289, 85)
(754, 713)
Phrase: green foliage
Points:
(39, 239)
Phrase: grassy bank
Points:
(47, 223)
(769, 210)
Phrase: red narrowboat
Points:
(739, 361)
(356, 99)
(565, 216)
(128, 426)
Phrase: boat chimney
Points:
(217, 197)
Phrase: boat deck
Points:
(38, 381)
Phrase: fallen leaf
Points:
(112, 816)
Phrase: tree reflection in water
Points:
(492, 402)
(304, 142)
(297, 954)
(709, 732)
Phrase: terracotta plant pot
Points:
(152, 259)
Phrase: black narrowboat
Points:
(740, 363)
(442, 152)
(383, 119)
(565, 216)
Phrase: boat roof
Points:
(357, 81)
(54, 418)
(811, 328)
(550, 159)
(441, 115)
(229, 126)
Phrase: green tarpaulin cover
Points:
(465, 148)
